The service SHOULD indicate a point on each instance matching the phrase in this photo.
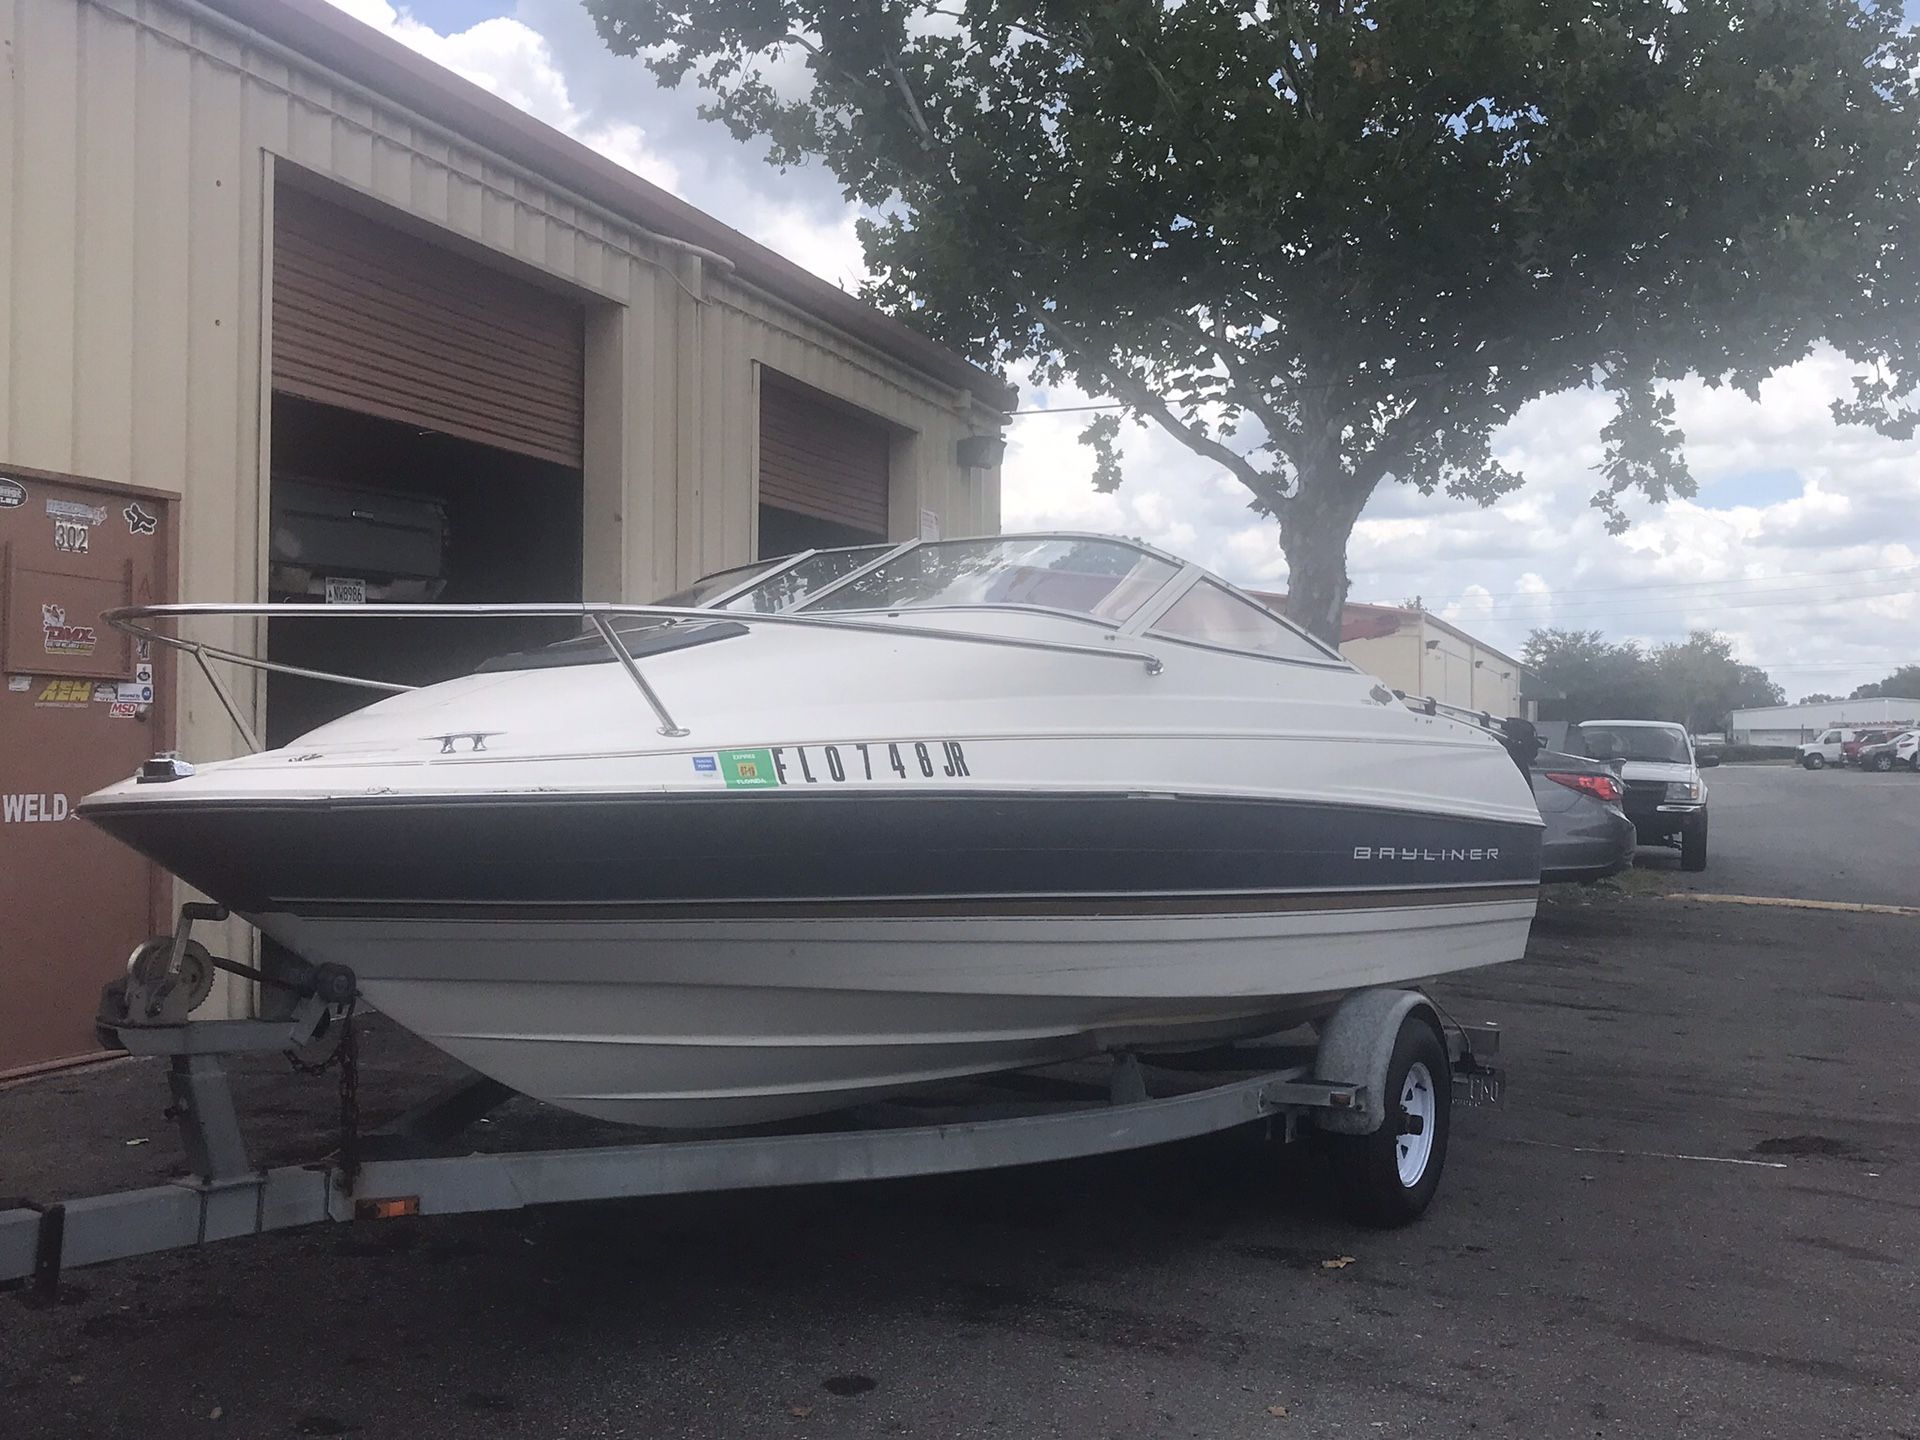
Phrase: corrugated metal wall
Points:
(138, 150)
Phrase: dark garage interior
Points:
(419, 516)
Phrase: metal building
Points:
(1797, 724)
(290, 312)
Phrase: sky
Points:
(1802, 546)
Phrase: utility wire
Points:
(1835, 575)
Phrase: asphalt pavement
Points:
(1832, 834)
(1694, 1215)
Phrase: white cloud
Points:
(1806, 577)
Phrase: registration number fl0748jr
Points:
(853, 763)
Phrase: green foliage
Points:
(1818, 698)
(1328, 242)
(1696, 682)
(1902, 684)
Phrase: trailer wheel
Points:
(1388, 1178)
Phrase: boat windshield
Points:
(1632, 742)
(1103, 579)
(784, 589)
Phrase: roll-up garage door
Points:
(822, 458)
(379, 321)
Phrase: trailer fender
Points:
(1356, 1045)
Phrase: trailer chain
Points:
(349, 1057)
(345, 1056)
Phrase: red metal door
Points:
(82, 707)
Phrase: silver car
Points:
(1588, 835)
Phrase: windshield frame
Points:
(1685, 737)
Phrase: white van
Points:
(1824, 750)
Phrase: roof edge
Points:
(334, 40)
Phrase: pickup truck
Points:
(1666, 797)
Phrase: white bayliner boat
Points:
(830, 827)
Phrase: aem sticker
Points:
(66, 692)
(61, 638)
(12, 494)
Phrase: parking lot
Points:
(1695, 1215)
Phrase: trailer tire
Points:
(1388, 1178)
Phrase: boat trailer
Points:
(1120, 1101)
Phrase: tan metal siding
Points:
(377, 321)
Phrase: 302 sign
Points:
(69, 538)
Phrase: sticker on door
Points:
(62, 638)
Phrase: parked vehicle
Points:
(1850, 749)
(1588, 836)
(1828, 748)
(1666, 797)
(1898, 749)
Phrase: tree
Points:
(1328, 242)
(1700, 683)
(1595, 678)
(1696, 682)
(1818, 698)
(1902, 684)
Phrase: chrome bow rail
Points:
(130, 619)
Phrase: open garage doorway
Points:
(427, 434)
(378, 510)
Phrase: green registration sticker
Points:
(748, 769)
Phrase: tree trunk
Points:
(1314, 530)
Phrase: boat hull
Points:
(717, 1022)
(703, 959)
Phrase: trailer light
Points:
(392, 1209)
(1601, 787)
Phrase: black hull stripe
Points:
(931, 908)
(805, 848)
